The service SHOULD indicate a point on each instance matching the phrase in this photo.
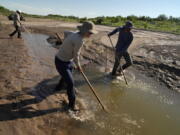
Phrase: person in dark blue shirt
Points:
(124, 41)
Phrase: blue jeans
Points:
(118, 57)
(65, 70)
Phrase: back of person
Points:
(16, 19)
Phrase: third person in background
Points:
(17, 24)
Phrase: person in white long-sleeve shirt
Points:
(68, 52)
(17, 24)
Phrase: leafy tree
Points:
(132, 17)
(162, 17)
(81, 20)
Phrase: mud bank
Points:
(14, 62)
(158, 57)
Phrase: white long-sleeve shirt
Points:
(16, 19)
(70, 49)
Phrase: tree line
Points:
(161, 23)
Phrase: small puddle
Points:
(141, 108)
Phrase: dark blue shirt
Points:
(124, 39)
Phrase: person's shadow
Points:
(19, 109)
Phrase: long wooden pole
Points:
(93, 90)
(119, 64)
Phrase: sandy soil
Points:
(24, 100)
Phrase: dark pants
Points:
(118, 57)
(65, 70)
(17, 30)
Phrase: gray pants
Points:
(118, 57)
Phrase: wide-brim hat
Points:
(87, 27)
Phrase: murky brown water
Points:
(141, 108)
